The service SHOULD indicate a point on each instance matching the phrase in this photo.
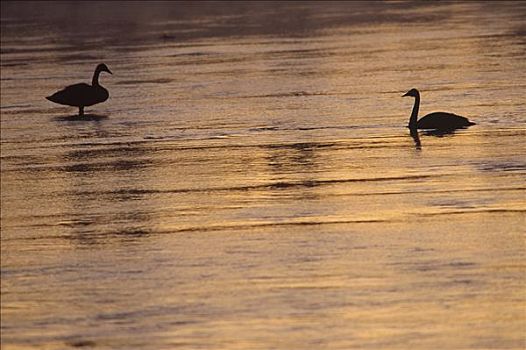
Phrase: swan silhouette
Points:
(441, 121)
(82, 95)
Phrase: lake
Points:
(251, 182)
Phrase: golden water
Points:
(251, 184)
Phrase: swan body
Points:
(442, 121)
(82, 95)
(435, 120)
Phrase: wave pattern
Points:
(251, 183)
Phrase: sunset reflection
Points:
(251, 183)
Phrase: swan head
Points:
(412, 92)
(103, 68)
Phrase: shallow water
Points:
(251, 184)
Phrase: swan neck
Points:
(414, 113)
(95, 80)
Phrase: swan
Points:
(82, 95)
(436, 120)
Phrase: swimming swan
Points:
(436, 120)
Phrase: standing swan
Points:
(437, 120)
(82, 95)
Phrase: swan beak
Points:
(108, 70)
(406, 94)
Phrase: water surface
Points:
(251, 184)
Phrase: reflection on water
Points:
(251, 182)
(416, 138)
(84, 118)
